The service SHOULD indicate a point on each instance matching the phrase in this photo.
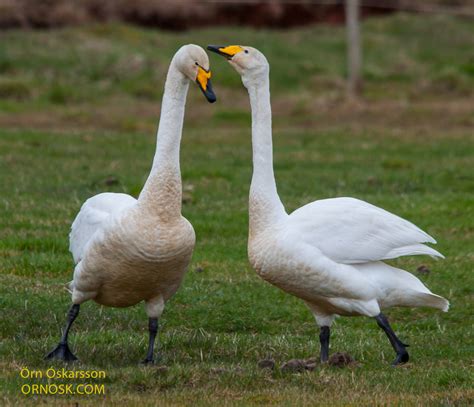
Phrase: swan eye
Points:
(196, 64)
(246, 51)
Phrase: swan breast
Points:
(281, 259)
(135, 259)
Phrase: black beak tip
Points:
(209, 92)
(214, 48)
(210, 95)
(211, 98)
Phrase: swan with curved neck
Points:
(330, 252)
(129, 250)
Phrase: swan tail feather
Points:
(413, 250)
(435, 301)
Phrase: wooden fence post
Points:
(354, 56)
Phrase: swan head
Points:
(192, 61)
(249, 62)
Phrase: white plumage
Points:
(330, 252)
(129, 250)
(93, 215)
(350, 231)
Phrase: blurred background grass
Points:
(79, 108)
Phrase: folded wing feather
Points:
(352, 231)
(94, 212)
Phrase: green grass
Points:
(79, 108)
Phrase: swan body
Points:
(129, 257)
(331, 252)
(129, 250)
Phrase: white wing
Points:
(351, 231)
(92, 215)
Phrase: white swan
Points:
(128, 250)
(330, 252)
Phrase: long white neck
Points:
(162, 192)
(265, 207)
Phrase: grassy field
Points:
(78, 115)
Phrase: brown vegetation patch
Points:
(172, 14)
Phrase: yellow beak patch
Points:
(203, 77)
(231, 50)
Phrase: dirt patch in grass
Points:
(142, 116)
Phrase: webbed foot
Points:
(401, 358)
(61, 352)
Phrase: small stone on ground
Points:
(311, 363)
(111, 180)
(294, 365)
(266, 364)
(341, 359)
(423, 269)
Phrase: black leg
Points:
(324, 335)
(153, 328)
(398, 346)
(62, 351)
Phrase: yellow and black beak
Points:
(203, 79)
(226, 51)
